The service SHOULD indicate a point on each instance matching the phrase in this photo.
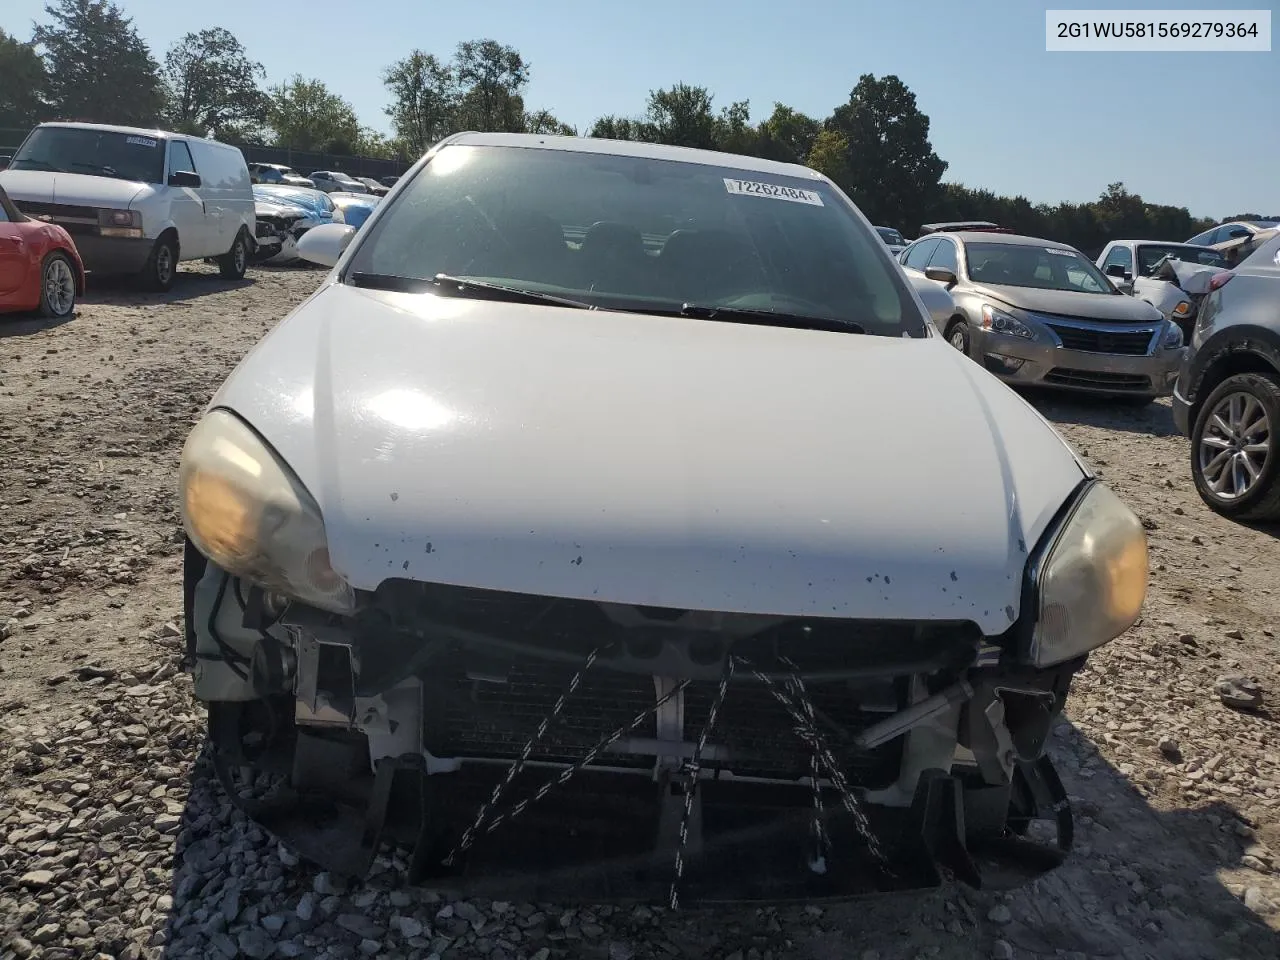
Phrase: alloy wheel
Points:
(1235, 445)
(59, 287)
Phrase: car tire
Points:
(958, 335)
(233, 264)
(1239, 402)
(57, 286)
(162, 265)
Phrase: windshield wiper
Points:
(13, 165)
(461, 286)
(771, 318)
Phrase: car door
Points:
(186, 206)
(15, 259)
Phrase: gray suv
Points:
(1036, 312)
(1227, 398)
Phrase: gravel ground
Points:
(115, 842)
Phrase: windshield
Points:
(635, 233)
(101, 153)
(1151, 254)
(1025, 265)
(889, 235)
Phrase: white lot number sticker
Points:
(775, 190)
(1061, 253)
(141, 141)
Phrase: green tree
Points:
(98, 67)
(681, 117)
(893, 173)
(787, 135)
(22, 83)
(544, 121)
(733, 132)
(307, 116)
(213, 85)
(616, 128)
(829, 155)
(424, 99)
(491, 76)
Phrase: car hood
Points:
(656, 460)
(75, 189)
(1066, 303)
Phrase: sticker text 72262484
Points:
(774, 190)
(141, 141)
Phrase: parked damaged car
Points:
(1172, 277)
(510, 546)
(1037, 313)
(280, 225)
(356, 207)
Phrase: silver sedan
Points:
(1036, 312)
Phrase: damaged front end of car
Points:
(552, 749)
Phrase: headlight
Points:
(1173, 337)
(119, 223)
(1092, 580)
(1183, 308)
(245, 510)
(997, 321)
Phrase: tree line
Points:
(87, 62)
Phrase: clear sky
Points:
(1194, 129)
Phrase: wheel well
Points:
(71, 261)
(171, 233)
(957, 318)
(1225, 366)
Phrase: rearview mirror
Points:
(324, 245)
(941, 275)
(184, 178)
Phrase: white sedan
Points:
(588, 521)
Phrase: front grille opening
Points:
(1098, 380)
(1122, 342)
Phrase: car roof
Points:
(634, 148)
(1164, 243)
(142, 131)
(1014, 239)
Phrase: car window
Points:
(945, 257)
(1027, 265)
(4, 214)
(1149, 254)
(180, 158)
(1119, 255)
(93, 152)
(1266, 255)
(641, 234)
(1203, 238)
(917, 256)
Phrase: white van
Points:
(137, 201)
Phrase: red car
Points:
(40, 268)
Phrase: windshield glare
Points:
(1043, 268)
(1149, 256)
(98, 153)
(635, 233)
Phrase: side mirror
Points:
(941, 275)
(324, 245)
(184, 178)
(4, 161)
(1116, 270)
(1237, 232)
